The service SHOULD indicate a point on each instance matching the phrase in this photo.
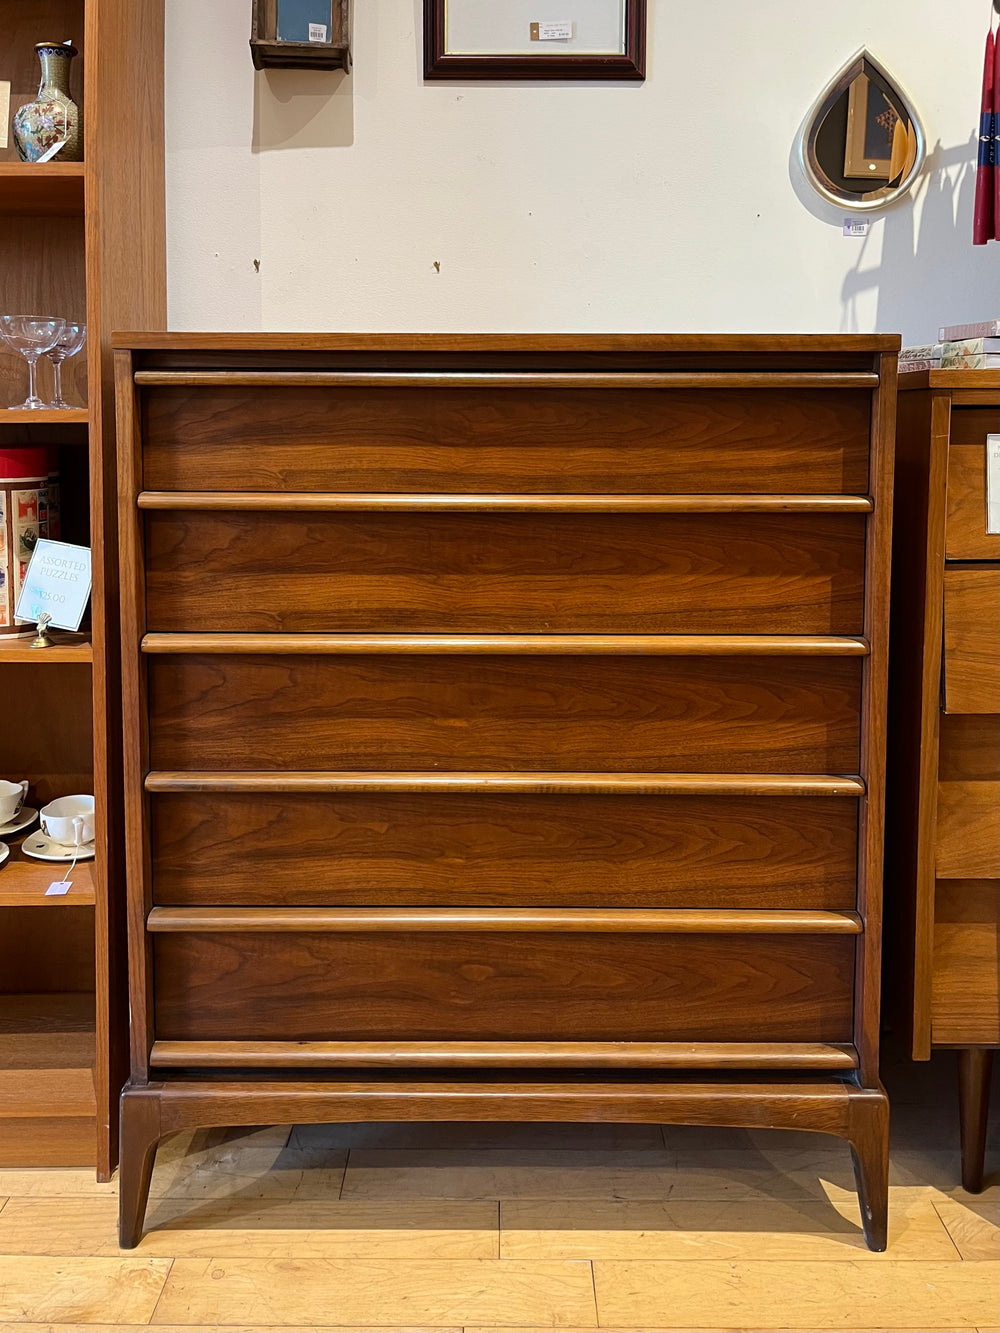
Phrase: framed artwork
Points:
(534, 39)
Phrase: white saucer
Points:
(4, 852)
(20, 821)
(44, 849)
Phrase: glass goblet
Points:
(32, 336)
(70, 342)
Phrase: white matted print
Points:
(529, 27)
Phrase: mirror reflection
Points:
(863, 145)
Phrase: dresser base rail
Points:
(828, 1106)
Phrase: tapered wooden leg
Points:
(869, 1140)
(140, 1133)
(975, 1069)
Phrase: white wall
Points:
(668, 205)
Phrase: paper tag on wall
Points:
(993, 483)
(317, 32)
(4, 111)
(552, 32)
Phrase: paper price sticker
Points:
(58, 887)
(856, 226)
(993, 483)
(552, 32)
(317, 32)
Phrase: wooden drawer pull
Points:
(632, 784)
(674, 921)
(652, 645)
(325, 501)
(434, 379)
(503, 1054)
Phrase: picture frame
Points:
(526, 39)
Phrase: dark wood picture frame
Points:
(629, 65)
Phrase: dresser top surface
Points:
(724, 343)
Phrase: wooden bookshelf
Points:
(84, 240)
(54, 188)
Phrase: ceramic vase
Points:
(53, 118)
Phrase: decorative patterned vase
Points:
(53, 117)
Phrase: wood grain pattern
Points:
(308, 1292)
(653, 645)
(966, 994)
(502, 850)
(474, 379)
(499, 1055)
(648, 784)
(871, 1147)
(589, 987)
(967, 535)
(94, 1291)
(505, 572)
(968, 830)
(430, 440)
(308, 502)
(969, 748)
(558, 713)
(338, 920)
(971, 634)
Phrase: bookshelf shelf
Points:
(72, 416)
(55, 189)
(68, 648)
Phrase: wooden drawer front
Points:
(968, 803)
(502, 986)
(527, 440)
(967, 538)
(971, 639)
(572, 714)
(503, 850)
(965, 996)
(499, 573)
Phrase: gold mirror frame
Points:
(869, 201)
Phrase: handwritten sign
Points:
(57, 584)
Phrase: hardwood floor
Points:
(501, 1227)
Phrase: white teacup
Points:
(12, 796)
(69, 821)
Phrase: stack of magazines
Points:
(959, 347)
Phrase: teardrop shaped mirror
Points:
(862, 146)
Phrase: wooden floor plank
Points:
(767, 1296)
(62, 1183)
(973, 1222)
(238, 1228)
(93, 1291)
(313, 1293)
(772, 1230)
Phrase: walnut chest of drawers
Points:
(505, 731)
(943, 830)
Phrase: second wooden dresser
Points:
(505, 727)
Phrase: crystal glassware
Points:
(32, 336)
(70, 342)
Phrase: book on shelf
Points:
(969, 346)
(986, 328)
(970, 361)
(921, 352)
(918, 363)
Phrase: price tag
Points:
(552, 32)
(856, 226)
(317, 32)
(4, 111)
(58, 887)
(993, 483)
(57, 581)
